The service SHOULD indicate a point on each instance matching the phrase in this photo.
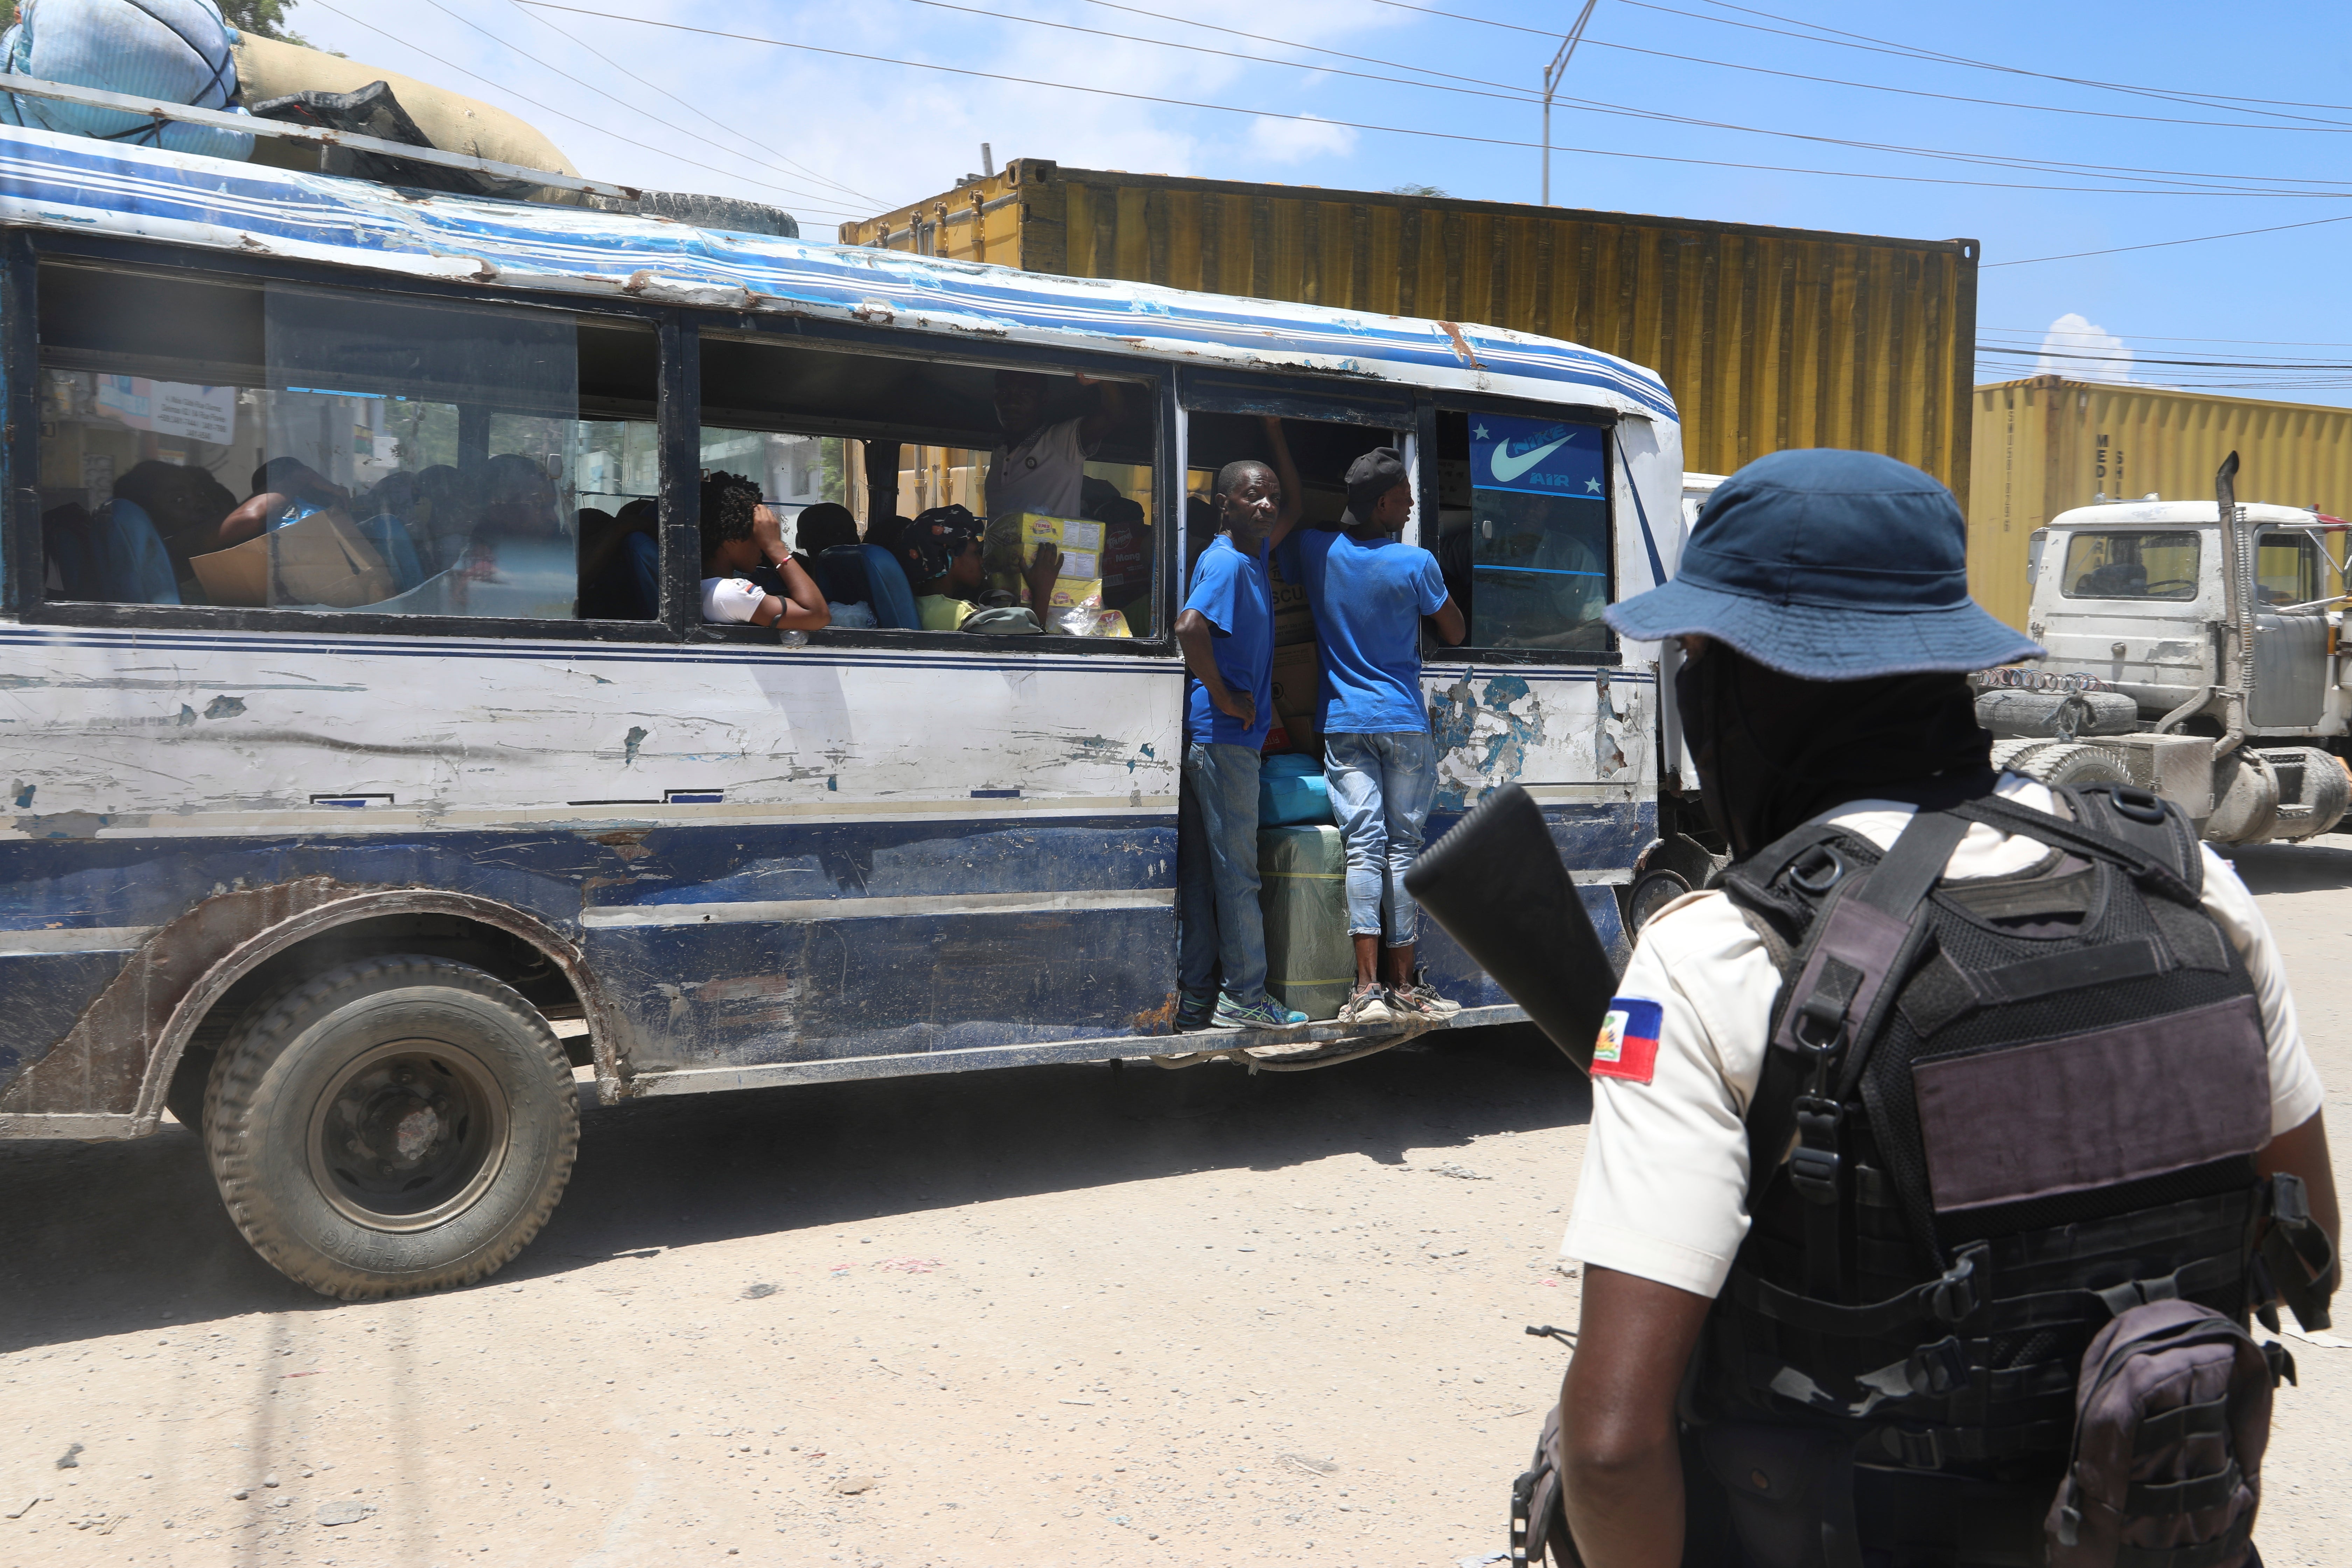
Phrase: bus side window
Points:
(1522, 534)
(917, 493)
(278, 446)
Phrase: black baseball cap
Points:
(1369, 478)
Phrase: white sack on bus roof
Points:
(176, 50)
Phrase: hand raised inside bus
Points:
(1040, 574)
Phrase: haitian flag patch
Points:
(1628, 1044)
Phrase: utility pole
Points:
(1552, 73)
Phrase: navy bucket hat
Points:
(1829, 565)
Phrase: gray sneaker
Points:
(1264, 1014)
(1421, 999)
(1370, 1006)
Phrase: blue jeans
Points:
(1218, 922)
(1381, 789)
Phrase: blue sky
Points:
(831, 137)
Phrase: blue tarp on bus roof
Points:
(67, 182)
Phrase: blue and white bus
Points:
(352, 844)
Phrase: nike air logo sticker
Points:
(1507, 467)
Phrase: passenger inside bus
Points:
(942, 556)
(1038, 466)
(748, 574)
(620, 563)
(820, 528)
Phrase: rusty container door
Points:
(2047, 444)
(1770, 338)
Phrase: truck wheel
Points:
(2071, 764)
(394, 1125)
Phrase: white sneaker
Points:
(1369, 1006)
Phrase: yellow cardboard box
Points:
(1012, 544)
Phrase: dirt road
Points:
(1059, 1316)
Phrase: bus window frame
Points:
(1289, 395)
(1168, 492)
(27, 569)
(677, 418)
(1435, 652)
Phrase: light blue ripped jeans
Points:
(1381, 789)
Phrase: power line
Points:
(1912, 51)
(1597, 106)
(560, 114)
(1955, 96)
(1409, 131)
(1902, 53)
(2014, 70)
(803, 168)
(2164, 244)
(2163, 338)
(2088, 357)
(591, 87)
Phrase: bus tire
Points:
(397, 1124)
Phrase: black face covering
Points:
(1774, 751)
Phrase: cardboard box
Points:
(1012, 542)
(320, 560)
(1293, 621)
(1297, 694)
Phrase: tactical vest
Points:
(2013, 1107)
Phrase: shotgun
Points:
(1497, 886)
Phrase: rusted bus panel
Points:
(2046, 444)
(1769, 338)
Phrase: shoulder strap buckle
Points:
(1956, 1297)
(1813, 1163)
(1919, 1451)
(1938, 1370)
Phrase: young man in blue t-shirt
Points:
(1368, 592)
(1226, 631)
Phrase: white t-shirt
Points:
(1044, 474)
(1664, 1194)
(731, 599)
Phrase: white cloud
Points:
(2076, 349)
(1296, 140)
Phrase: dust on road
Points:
(1064, 1315)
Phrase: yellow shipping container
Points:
(2048, 444)
(1770, 338)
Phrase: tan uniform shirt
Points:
(1665, 1187)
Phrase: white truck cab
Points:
(2221, 635)
(2136, 594)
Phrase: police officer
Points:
(1751, 1178)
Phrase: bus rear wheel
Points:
(394, 1125)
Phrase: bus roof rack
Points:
(157, 109)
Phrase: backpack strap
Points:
(1834, 1007)
(2145, 820)
(2176, 870)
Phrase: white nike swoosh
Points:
(1508, 469)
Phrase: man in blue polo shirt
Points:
(1226, 631)
(1368, 592)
